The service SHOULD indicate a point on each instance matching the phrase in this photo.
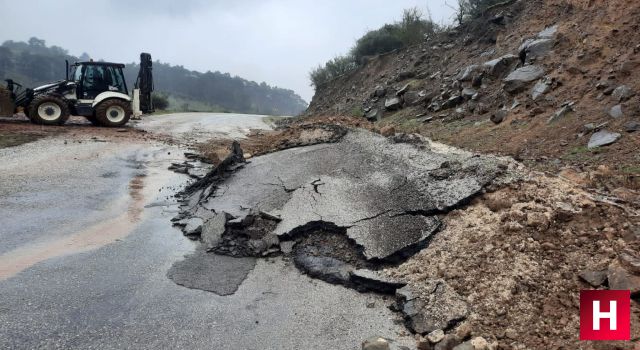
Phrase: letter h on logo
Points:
(605, 315)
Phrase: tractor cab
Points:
(94, 78)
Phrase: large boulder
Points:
(622, 93)
(520, 78)
(603, 138)
(539, 48)
(499, 66)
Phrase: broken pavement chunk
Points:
(375, 281)
(213, 229)
(440, 308)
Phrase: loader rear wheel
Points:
(7, 107)
(48, 110)
(113, 112)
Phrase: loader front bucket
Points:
(7, 107)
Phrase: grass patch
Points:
(630, 169)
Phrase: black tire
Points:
(48, 110)
(7, 109)
(113, 112)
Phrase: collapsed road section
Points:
(342, 210)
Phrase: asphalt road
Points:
(86, 243)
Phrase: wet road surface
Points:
(86, 243)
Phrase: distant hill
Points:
(34, 63)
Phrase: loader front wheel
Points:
(48, 110)
(113, 112)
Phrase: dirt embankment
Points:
(589, 62)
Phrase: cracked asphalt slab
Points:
(386, 194)
(90, 225)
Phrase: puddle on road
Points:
(140, 187)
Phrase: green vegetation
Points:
(34, 63)
(357, 111)
(411, 30)
(160, 101)
(475, 8)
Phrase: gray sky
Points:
(276, 41)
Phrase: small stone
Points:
(393, 103)
(594, 278)
(622, 93)
(541, 88)
(380, 91)
(424, 344)
(499, 116)
(632, 126)
(375, 114)
(616, 112)
(479, 343)
(463, 331)
(561, 113)
(630, 260)
(247, 156)
(549, 32)
(376, 343)
(468, 93)
(449, 342)
(464, 346)
(387, 131)
(469, 72)
(603, 138)
(403, 90)
(286, 247)
(511, 333)
(436, 336)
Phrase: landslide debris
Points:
(553, 83)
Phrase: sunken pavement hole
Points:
(319, 249)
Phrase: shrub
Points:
(412, 29)
(160, 101)
(375, 42)
(474, 8)
(332, 69)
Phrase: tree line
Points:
(33, 63)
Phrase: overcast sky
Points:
(276, 41)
